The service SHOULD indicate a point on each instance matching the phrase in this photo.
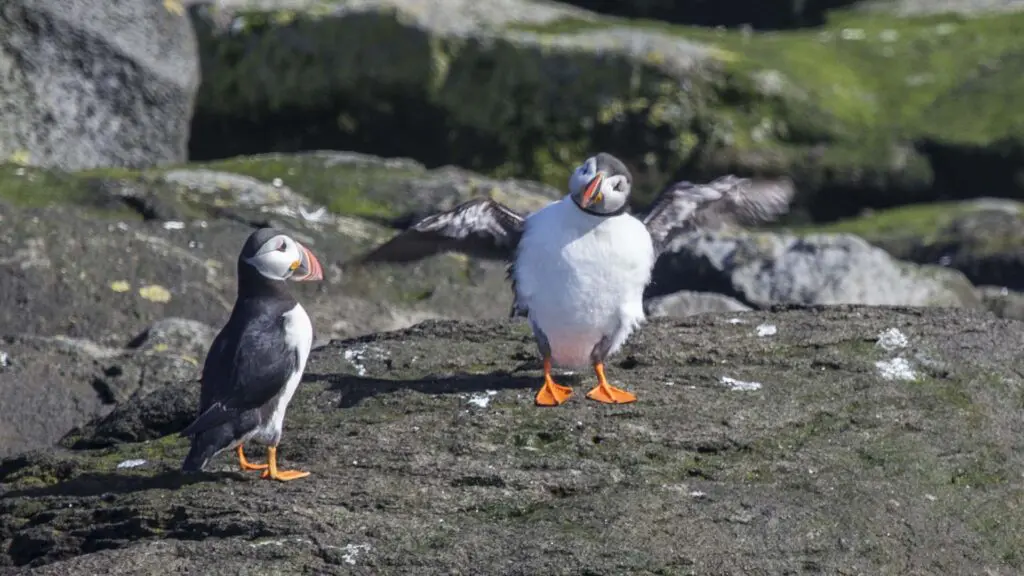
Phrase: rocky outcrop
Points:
(871, 111)
(845, 439)
(86, 84)
(766, 269)
(53, 383)
(783, 14)
(982, 238)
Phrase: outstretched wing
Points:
(481, 228)
(236, 382)
(729, 199)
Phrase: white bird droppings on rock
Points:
(352, 551)
(766, 330)
(736, 321)
(896, 369)
(5, 360)
(891, 339)
(740, 385)
(131, 463)
(174, 225)
(697, 494)
(277, 182)
(482, 400)
(356, 356)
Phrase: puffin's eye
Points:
(619, 185)
(283, 246)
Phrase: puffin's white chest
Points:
(582, 278)
(298, 332)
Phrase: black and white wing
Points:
(727, 200)
(480, 228)
(244, 374)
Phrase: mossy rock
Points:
(984, 239)
(867, 111)
(851, 439)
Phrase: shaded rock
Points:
(767, 269)
(53, 384)
(1002, 302)
(85, 85)
(685, 303)
(181, 335)
(771, 14)
(783, 14)
(428, 456)
(982, 238)
(516, 87)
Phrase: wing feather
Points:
(236, 382)
(684, 206)
(480, 228)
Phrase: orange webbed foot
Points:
(552, 394)
(245, 464)
(605, 392)
(272, 473)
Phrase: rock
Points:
(1002, 302)
(53, 384)
(782, 14)
(86, 84)
(89, 256)
(982, 238)
(767, 269)
(770, 15)
(745, 453)
(685, 303)
(181, 335)
(518, 87)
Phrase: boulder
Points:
(852, 439)
(52, 384)
(869, 111)
(87, 84)
(982, 238)
(1002, 302)
(763, 269)
(687, 303)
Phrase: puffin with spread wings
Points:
(579, 266)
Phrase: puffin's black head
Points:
(601, 185)
(276, 256)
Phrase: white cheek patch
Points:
(275, 265)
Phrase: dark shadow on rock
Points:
(354, 389)
(99, 483)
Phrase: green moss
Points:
(918, 220)
(35, 187)
(872, 73)
(352, 189)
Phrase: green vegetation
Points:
(351, 189)
(875, 75)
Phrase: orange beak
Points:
(307, 268)
(592, 188)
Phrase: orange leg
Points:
(282, 475)
(552, 394)
(246, 465)
(605, 392)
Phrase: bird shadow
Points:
(100, 483)
(355, 389)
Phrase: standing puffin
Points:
(579, 266)
(256, 361)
